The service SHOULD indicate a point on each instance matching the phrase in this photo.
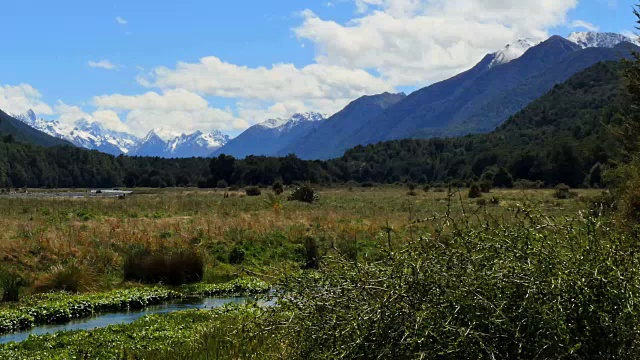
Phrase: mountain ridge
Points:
(475, 101)
(270, 137)
(94, 136)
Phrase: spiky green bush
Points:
(532, 290)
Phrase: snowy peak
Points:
(31, 116)
(280, 123)
(596, 39)
(164, 134)
(168, 144)
(511, 52)
(158, 142)
(273, 123)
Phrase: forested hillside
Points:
(560, 138)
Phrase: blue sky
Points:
(117, 62)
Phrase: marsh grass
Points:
(71, 276)
(41, 233)
(430, 276)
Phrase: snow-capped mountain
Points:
(286, 124)
(158, 142)
(599, 40)
(270, 137)
(83, 134)
(511, 52)
(168, 144)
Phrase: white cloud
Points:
(176, 109)
(69, 114)
(584, 25)
(282, 87)
(141, 121)
(121, 21)
(18, 99)
(177, 99)
(280, 82)
(103, 64)
(413, 42)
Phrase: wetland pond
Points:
(125, 317)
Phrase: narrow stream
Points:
(125, 317)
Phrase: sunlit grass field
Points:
(39, 233)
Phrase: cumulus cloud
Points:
(280, 82)
(413, 42)
(277, 91)
(103, 64)
(584, 25)
(121, 21)
(176, 109)
(175, 99)
(18, 99)
(69, 114)
(141, 121)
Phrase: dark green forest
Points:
(563, 137)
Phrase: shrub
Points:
(562, 192)
(236, 255)
(367, 184)
(173, 267)
(474, 191)
(304, 193)
(234, 188)
(494, 200)
(222, 184)
(411, 186)
(71, 276)
(486, 186)
(10, 283)
(426, 188)
(481, 202)
(277, 187)
(602, 204)
(412, 193)
(311, 253)
(253, 191)
(521, 290)
(274, 201)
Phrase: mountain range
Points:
(475, 101)
(157, 143)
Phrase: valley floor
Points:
(350, 241)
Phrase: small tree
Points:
(595, 176)
(486, 186)
(503, 179)
(474, 191)
(277, 187)
(222, 184)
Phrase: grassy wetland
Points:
(360, 272)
